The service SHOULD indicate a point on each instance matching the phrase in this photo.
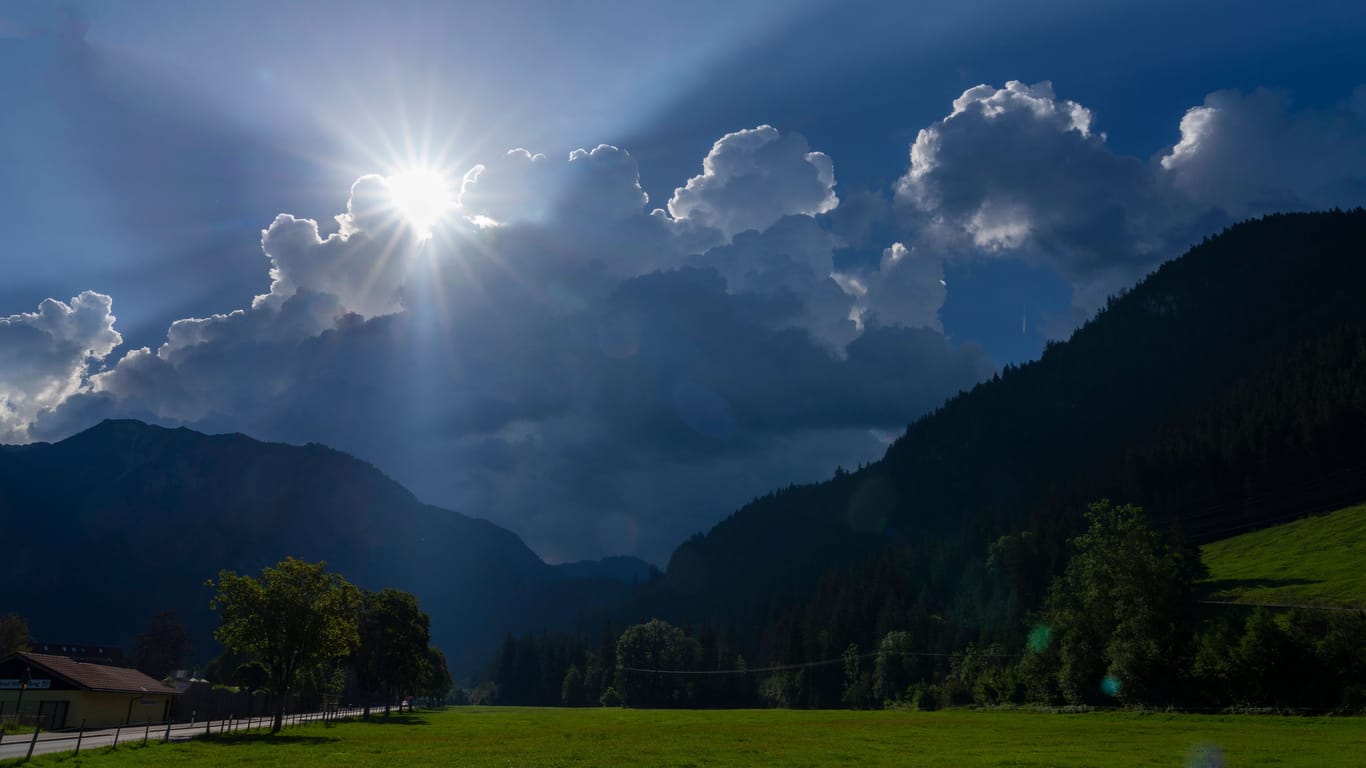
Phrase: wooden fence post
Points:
(33, 741)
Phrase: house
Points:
(63, 692)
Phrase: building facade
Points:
(61, 692)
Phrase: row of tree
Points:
(1119, 626)
(300, 626)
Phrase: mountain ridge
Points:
(1016, 452)
(159, 510)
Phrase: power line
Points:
(808, 664)
(1309, 607)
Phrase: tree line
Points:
(1120, 626)
(298, 627)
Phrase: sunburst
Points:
(422, 197)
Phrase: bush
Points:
(610, 698)
(925, 697)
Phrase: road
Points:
(16, 745)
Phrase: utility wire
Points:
(1347, 609)
(808, 664)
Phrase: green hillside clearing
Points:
(1319, 560)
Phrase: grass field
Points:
(1316, 560)
(495, 736)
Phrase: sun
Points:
(422, 197)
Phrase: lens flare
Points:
(1205, 756)
(1111, 686)
(1040, 637)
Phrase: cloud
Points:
(45, 357)
(707, 403)
(604, 377)
(554, 347)
(598, 185)
(363, 264)
(601, 377)
(907, 289)
(1016, 172)
(1248, 154)
(794, 261)
(750, 179)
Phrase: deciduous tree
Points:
(1120, 611)
(391, 654)
(437, 681)
(13, 634)
(162, 647)
(646, 653)
(295, 616)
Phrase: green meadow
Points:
(1318, 560)
(497, 736)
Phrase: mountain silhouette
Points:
(125, 519)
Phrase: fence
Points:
(38, 741)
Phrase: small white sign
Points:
(13, 684)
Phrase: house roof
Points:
(97, 677)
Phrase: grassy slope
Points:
(1318, 560)
(477, 736)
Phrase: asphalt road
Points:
(16, 745)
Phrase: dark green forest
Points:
(1222, 394)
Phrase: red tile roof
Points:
(98, 677)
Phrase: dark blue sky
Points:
(147, 145)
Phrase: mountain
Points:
(622, 568)
(114, 524)
(1222, 391)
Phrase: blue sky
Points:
(596, 377)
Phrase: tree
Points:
(251, 676)
(391, 654)
(162, 647)
(293, 618)
(437, 682)
(646, 654)
(856, 686)
(1121, 610)
(571, 690)
(894, 666)
(13, 634)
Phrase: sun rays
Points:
(422, 197)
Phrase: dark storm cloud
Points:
(604, 378)
(535, 353)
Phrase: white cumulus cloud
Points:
(46, 356)
(752, 178)
(1249, 154)
(907, 289)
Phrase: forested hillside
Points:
(1225, 392)
(1221, 392)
